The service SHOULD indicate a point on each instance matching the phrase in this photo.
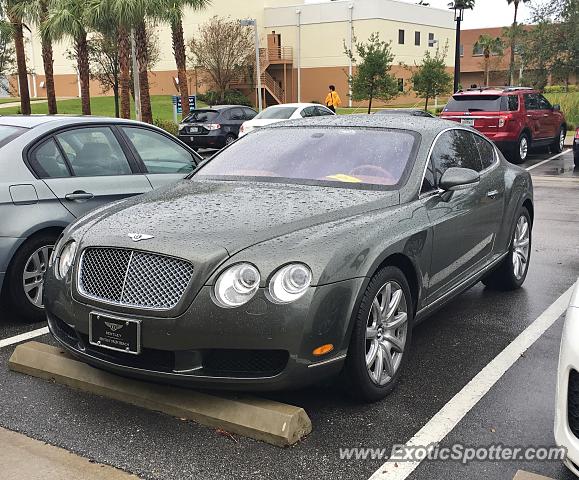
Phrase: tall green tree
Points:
(372, 78)
(513, 38)
(489, 46)
(11, 9)
(172, 12)
(430, 78)
(68, 19)
(459, 6)
(7, 55)
(36, 12)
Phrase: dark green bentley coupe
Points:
(303, 251)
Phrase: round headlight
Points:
(66, 259)
(237, 285)
(290, 283)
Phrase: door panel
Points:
(535, 116)
(465, 222)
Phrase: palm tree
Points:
(67, 18)
(36, 11)
(489, 46)
(17, 26)
(513, 38)
(172, 11)
(459, 6)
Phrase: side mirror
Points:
(458, 179)
(556, 107)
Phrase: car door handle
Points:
(492, 194)
(79, 195)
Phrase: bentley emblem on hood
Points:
(137, 237)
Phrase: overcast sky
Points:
(487, 13)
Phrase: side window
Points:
(159, 153)
(308, 112)
(487, 152)
(531, 102)
(455, 148)
(249, 114)
(47, 162)
(94, 152)
(543, 103)
(323, 111)
(236, 114)
(513, 103)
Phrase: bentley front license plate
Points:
(115, 333)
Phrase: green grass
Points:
(569, 106)
(9, 100)
(100, 107)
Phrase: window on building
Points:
(461, 50)
(478, 50)
(417, 39)
(401, 37)
(431, 41)
(400, 84)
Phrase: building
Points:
(303, 45)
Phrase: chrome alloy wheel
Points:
(523, 148)
(386, 333)
(521, 247)
(33, 275)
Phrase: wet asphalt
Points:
(448, 350)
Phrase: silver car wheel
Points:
(386, 333)
(523, 148)
(33, 275)
(521, 247)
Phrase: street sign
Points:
(177, 103)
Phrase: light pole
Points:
(251, 22)
(299, 54)
(458, 18)
(351, 42)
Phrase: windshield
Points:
(476, 103)
(202, 116)
(355, 156)
(276, 113)
(9, 133)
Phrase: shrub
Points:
(167, 125)
(232, 97)
(561, 89)
(569, 106)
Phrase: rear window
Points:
(276, 113)
(202, 116)
(353, 156)
(477, 103)
(9, 133)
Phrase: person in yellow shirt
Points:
(333, 99)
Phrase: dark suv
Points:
(515, 118)
(214, 127)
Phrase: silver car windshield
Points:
(362, 156)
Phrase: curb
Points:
(272, 422)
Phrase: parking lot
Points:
(449, 349)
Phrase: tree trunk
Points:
(21, 62)
(48, 63)
(125, 72)
(143, 61)
(83, 72)
(181, 61)
(513, 45)
(426, 104)
(370, 101)
(487, 72)
(116, 97)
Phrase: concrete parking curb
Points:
(272, 422)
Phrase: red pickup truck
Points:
(515, 118)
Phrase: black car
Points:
(214, 127)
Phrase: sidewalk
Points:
(22, 458)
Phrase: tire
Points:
(559, 143)
(31, 257)
(519, 154)
(508, 276)
(230, 138)
(357, 373)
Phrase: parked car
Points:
(279, 270)
(286, 111)
(567, 397)
(54, 170)
(576, 147)
(413, 112)
(214, 127)
(515, 118)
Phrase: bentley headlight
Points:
(237, 285)
(290, 283)
(66, 259)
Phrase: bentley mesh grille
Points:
(133, 278)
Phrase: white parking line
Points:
(548, 160)
(23, 336)
(454, 411)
